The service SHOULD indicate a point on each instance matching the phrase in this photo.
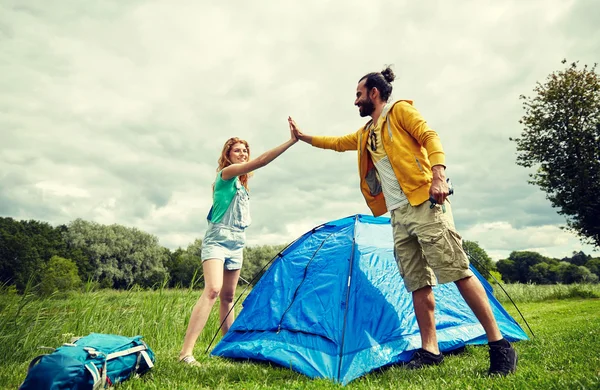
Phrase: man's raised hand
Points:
(296, 131)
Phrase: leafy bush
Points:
(496, 276)
(59, 274)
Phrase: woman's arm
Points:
(234, 170)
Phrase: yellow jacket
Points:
(411, 146)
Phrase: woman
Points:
(223, 245)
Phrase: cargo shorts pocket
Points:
(459, 257)
(436, 243)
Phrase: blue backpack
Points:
(91, 362)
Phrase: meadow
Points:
(564, 354)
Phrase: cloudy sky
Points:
(116, 111)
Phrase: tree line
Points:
(35, 253)
(532, 267)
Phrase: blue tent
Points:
(333, 305)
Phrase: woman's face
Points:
(238, 153)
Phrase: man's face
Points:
(363, 101)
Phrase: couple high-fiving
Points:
(401, 164)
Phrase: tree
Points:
(59, 275)
(578, 274)
(543, 273)
(561, 138)
(479, 258)
(185, 266)
(255, 258)
(119, 256)
(578, 258)
(508, 270)
(594, 266)
(555, 270)
(517, 268)
(25, 248)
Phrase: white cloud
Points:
(58, 189)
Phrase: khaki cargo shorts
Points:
(427, 247)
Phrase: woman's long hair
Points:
(224, 160)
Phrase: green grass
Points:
(564, 355)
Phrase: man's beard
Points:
(366, 108)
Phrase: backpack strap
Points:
(34, 361)
(140, 350)
(99, 377)
(126, 352)
(96, 376)
(37, 358)
(147, 359)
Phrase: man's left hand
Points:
(439, 188)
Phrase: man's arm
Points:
(339, 144)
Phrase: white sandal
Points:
(190, 361)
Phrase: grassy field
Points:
(565, 354)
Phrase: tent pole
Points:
(347, 300)
(501, 287)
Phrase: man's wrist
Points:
(439, 172)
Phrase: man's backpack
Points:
(91, 362)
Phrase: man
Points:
(402, 165)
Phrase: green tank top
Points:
(223, 194)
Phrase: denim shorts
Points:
(224, 243)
